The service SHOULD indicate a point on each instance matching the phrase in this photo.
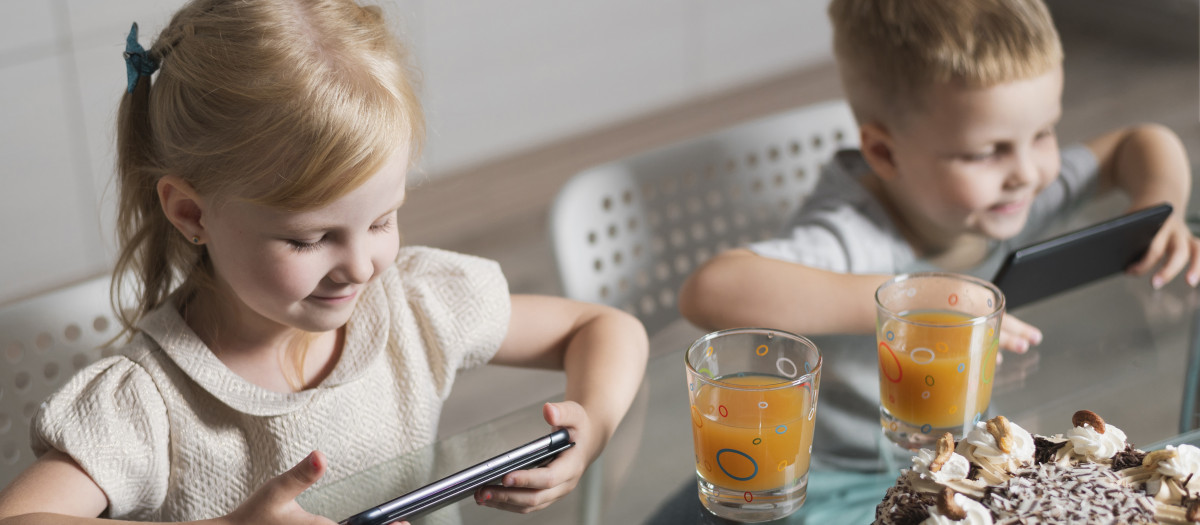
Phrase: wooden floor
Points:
(499, 210)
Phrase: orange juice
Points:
(752, 440)
(934, 371)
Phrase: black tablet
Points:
(1079, 257)
(461, 484)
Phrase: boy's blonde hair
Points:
(287, 104)
(890, 51)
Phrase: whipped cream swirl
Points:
(954, 469)
(1186, 463)
(987, 449)
(977, 514)
(1094, 445)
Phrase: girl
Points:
(276, 313)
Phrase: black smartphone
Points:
(1064, 262)
(462, 483)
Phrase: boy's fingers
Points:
(1012, 343)
(1193, 271)
(1176, 258)
(1153, 254)
(1018, 336)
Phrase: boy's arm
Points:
(1149, 163)
(603, 352)
(741, 288)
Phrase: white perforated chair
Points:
(44, 340)
(627, 233)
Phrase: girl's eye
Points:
(384, 226)
(302, 246)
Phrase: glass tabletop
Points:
(1116, 347)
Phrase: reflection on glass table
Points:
(1115, 347)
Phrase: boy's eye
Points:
(995, 151)
(978, 157)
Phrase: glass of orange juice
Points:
(753, 394)
(937, 335)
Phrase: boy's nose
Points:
(1024, 172)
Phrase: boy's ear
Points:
(183, 207)
(877, 148)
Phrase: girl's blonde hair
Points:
(284, 103)
(890, 51)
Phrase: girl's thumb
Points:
(297, 479)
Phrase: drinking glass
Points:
(753, 396)
(937, 334)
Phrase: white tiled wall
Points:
(498, 78)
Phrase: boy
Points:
(956, 103)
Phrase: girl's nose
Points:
(356, 266)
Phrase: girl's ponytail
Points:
(144, 274)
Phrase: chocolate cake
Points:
(1001, 474)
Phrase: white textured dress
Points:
(169, 433)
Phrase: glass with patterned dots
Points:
(753, 397)
(937, 336)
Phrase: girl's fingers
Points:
(533, 489)
(565, 414)
(289, 485)
(519, 500)
(536, 478)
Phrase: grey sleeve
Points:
(841, 240)
(841, 227)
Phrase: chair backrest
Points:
(627, 233)
(43, 342)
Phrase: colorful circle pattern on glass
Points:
(925, 364)
(753, 437)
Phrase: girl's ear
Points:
(877, 148)
(183, 207)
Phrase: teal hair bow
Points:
(137, 62)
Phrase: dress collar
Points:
(366, 336)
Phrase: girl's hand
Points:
(1017, 336)
(275, 501)
(1174, 247)
(525, 491)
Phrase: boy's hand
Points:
(526, 491)
(1017, 336)
(1175, 248)
(275, 501)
